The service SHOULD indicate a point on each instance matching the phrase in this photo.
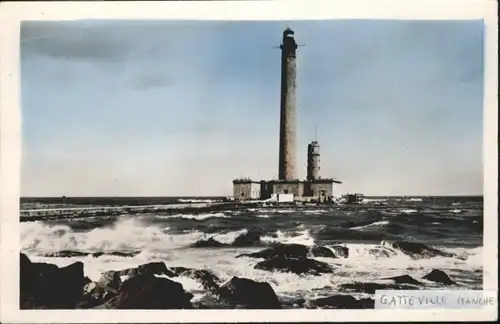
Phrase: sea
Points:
(453, 224)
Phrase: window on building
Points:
(242, 194)
(286, 191)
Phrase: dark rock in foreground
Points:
(321, 251)
(341, 302)
(418, 250)
(297, 266)
(440, 277)
(152, 268)
(71, 253)
(210, 301)
(110, 280)
(210, 242)
(371, 287)
(95, 295)
(116, 253)
(298, 251)
(208, 280)
(405, 279)
(109, 285)
(380, 251)
(65, 254)
(340, 251)
(246, 293)
(292, 302)
(251, 238)
(44, 285)
(149, 292)
(280, 250)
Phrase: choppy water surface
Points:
(451, 224)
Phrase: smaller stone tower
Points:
(313, 161)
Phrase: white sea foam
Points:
(200, 216)
(384, 222)
(196, 200)
(126, 234)
(189, 284)
(275, 210)
(302, 237)
(229, 237)
(408, 211)
(124, 278)
(359, 266)
(373, 200)
(362, 264)
(156, 243)
(315, 211)
(456, 211)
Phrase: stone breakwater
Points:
(153, 286)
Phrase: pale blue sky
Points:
(181, 108)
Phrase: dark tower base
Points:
(319, 190)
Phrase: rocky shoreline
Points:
(150, 285)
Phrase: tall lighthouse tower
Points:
(288, 136)
(288, 186)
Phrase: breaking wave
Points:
(367, 261)
(378, 223)
(200, 216)
(409, 211)
(168, 238)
